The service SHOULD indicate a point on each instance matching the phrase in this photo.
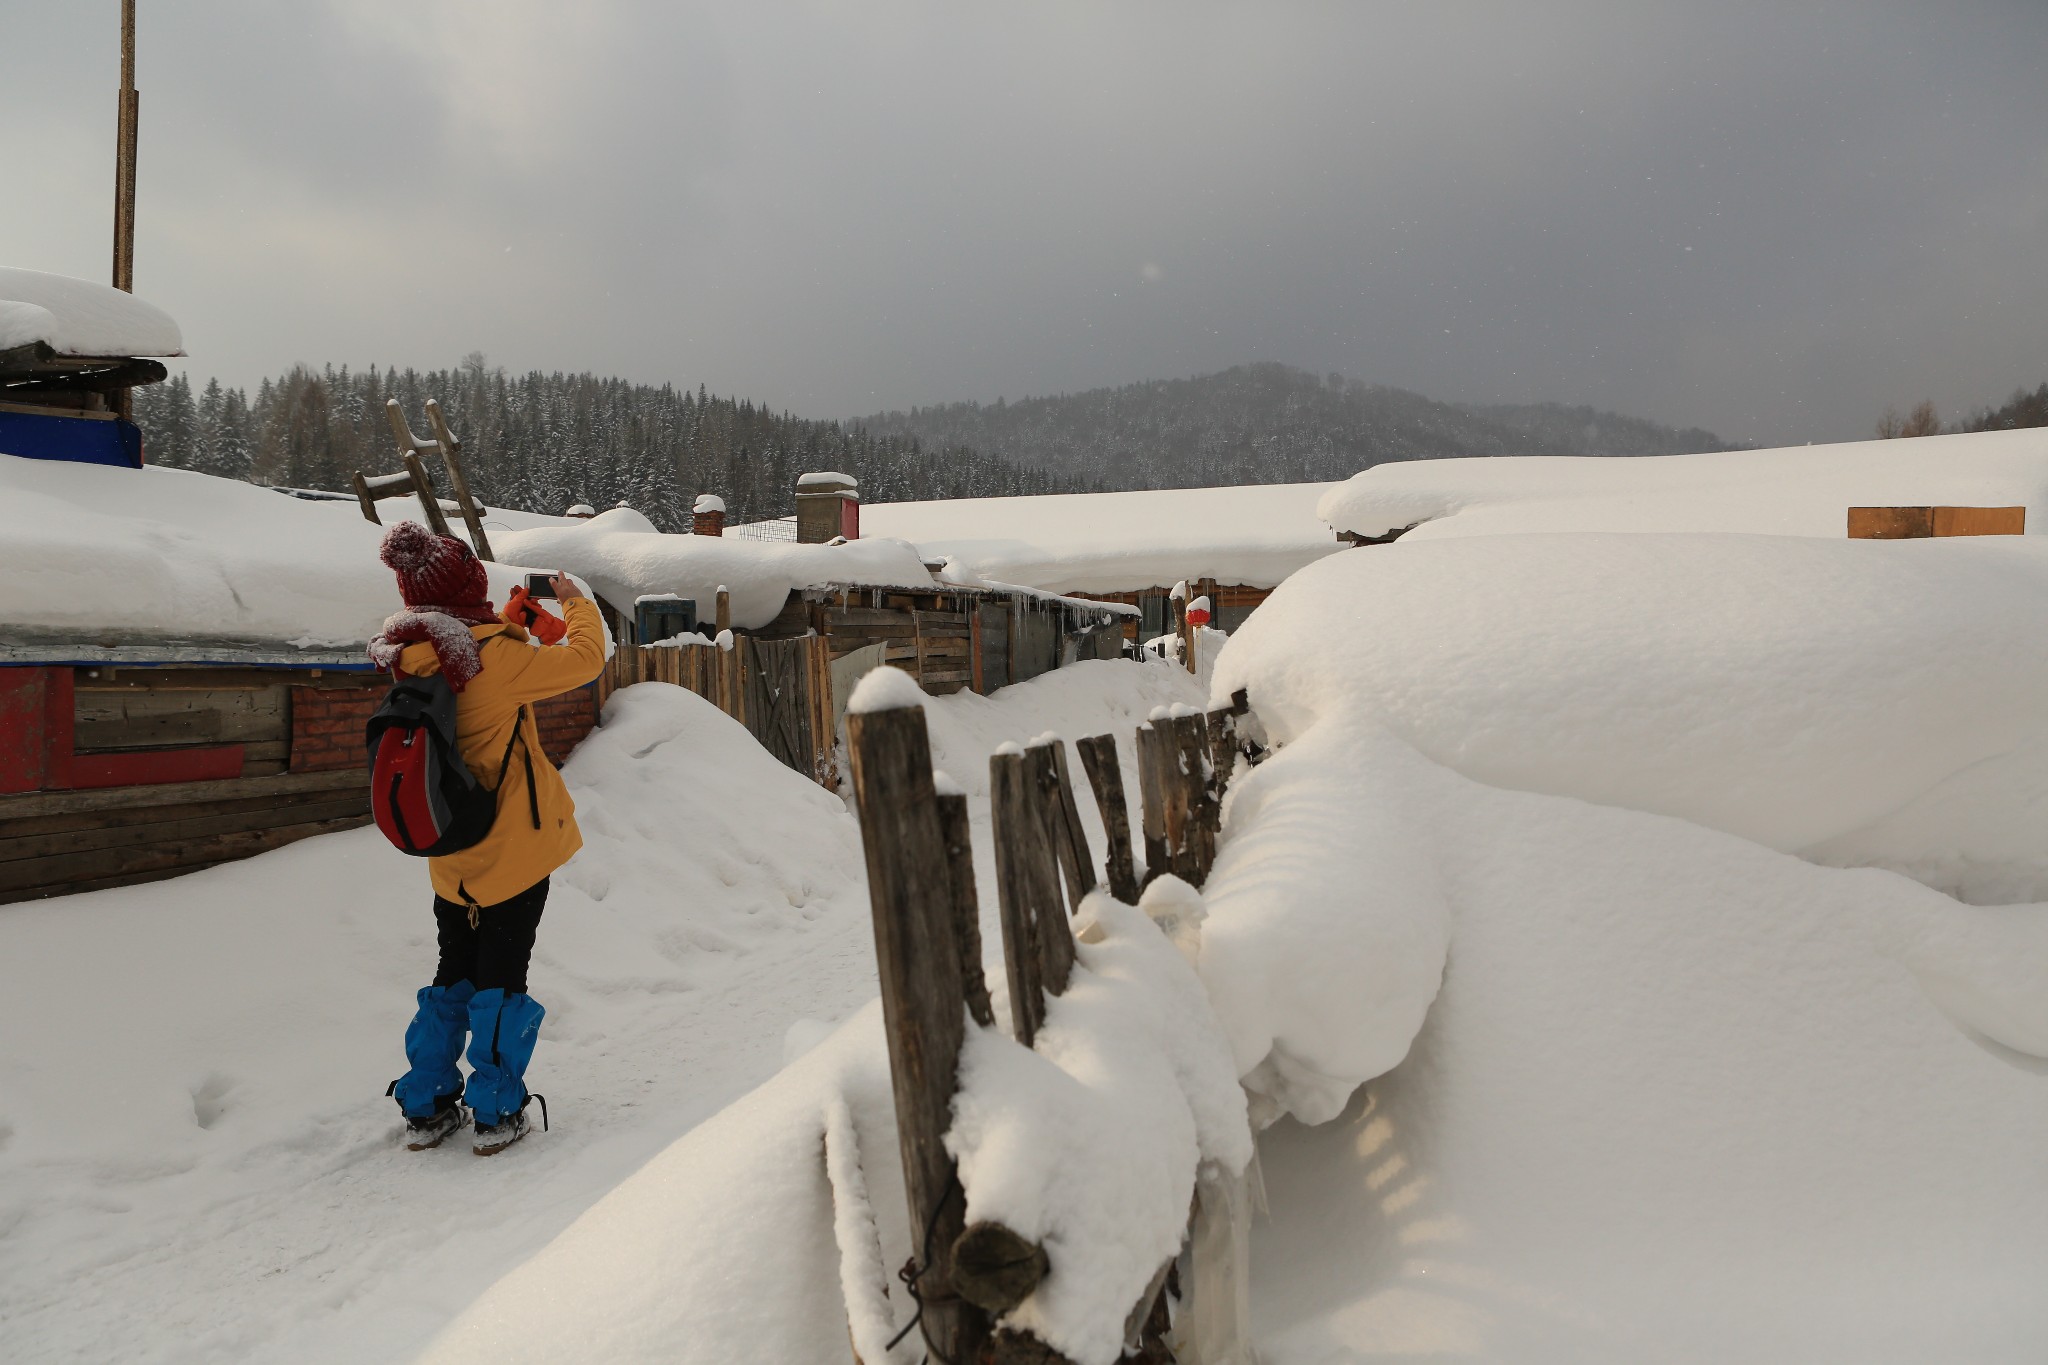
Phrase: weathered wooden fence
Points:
(781, 690)
(928, 948)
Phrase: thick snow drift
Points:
(133, 557)
(1790, 690)
(78, 317)
(1114, 542)
(622, 554)
(197, 1161)
(1680, 1098)
(1640, 1088)
(734, 1277)
(1797, 491)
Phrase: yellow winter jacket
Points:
(514, 855)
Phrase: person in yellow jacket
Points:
(487, 897)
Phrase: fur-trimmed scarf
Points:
(446, 629)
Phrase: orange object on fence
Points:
(1914, 523)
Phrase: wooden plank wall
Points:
(1231, 602)
(116, 716)
(54, 843)
(781, 690)
(300, 734)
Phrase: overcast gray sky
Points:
(1766, 219)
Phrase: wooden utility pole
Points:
(124, 178)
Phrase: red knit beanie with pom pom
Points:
(436, 572)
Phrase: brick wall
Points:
(565, 720)
(327, 724)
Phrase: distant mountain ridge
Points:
(1265, 423)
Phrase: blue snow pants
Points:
(433, 1044)
(503, 1029)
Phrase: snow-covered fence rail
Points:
(975, 1282)
(781, 690)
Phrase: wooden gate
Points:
(782, 701)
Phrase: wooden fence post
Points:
(953, 828)
(911, 890)
(1056, 788)
(1068, 854)
(1027, 892)
(1152, 800)
(1105, 776)
(1197, 844)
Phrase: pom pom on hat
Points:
(434, 571)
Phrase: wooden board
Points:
(995, 645)
(1038, 645)
(1890, 523)
(192, 822)
(27, 878)
(174, 678)
(1912, 523)
(778, 710)
(148, 718)
(51, 803)
(1980, 521)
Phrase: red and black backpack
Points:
(423, 795)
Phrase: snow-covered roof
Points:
(622, 555)
(1117, 542)
(1798, 490)
(78, 317)
(106, 564)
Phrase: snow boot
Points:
(433, 1044)
(502, 1032)
(495, 1138)
(432, 1131)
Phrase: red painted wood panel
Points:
(38, 715)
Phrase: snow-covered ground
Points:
(1633, 950)
(197, 1162)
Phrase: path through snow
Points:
(196, 1159)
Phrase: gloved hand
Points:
(522, 610)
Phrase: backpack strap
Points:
(532, 788)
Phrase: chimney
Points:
(707, 517)
(582, 511)
(827, 507)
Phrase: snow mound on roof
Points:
(1796, 491)
(622, 554)
(1114, 542)
(1789, 690)
(78, 317)
(98, 554)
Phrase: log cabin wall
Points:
(1231, 603)
(949, 639)
(116, 775)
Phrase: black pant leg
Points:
(458, 943)
(505, 935)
